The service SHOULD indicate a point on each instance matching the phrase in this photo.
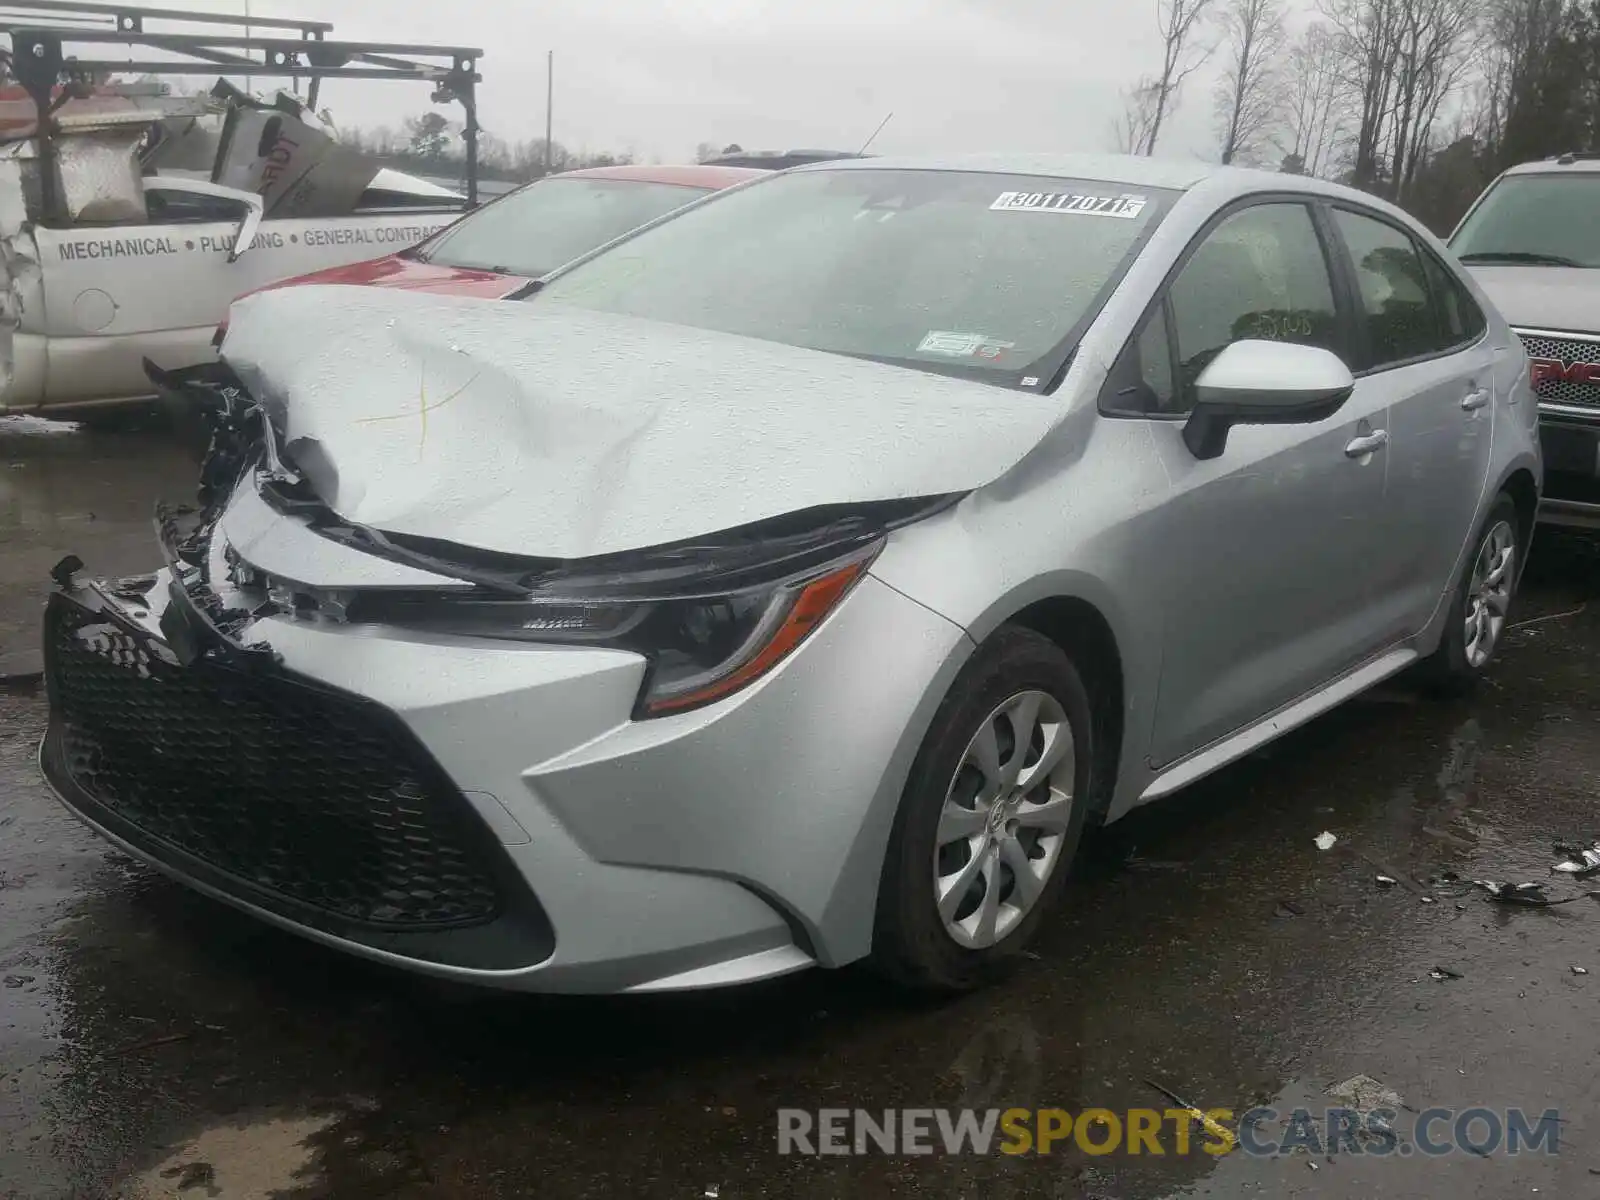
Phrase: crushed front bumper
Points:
(740, 841)
(299, 800)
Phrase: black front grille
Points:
(311, 796)
(1567, 351)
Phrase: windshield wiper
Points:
(1529, 257)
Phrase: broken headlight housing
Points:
(711, 618)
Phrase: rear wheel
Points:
(1481, 603)
(990, 819)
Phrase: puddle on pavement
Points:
(255, 1160)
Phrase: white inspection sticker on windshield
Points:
(1127, 206)
(963, 345)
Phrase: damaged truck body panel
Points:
(106, 298)
(131, 218)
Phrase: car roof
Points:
(778, 159)
(1218, 183)
(1106, 168)
(701, 176)
(1567, 163)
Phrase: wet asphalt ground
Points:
(155, 1044)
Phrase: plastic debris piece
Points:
(1580, 970)
(1386, 881)
(1208, 1123)
(1445, 973)
(1527, 895)
(1325, 841)
(1288, 908)
(1427, 899)
(1581, 864)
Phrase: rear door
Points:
(1263, 570)
(1423, 348)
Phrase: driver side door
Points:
(1264, 572)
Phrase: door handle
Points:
(1475, 399)
(1364, 445)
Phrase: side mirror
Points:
(246, 233)
(1264, 383)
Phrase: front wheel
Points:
(990, 819)
(1481, 603)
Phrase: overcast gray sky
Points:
(659, 76)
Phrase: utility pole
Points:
(549, 103)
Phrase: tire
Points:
(1482, 599)
(962, 763)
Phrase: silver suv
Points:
(1533, 243)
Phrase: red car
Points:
(531, 231)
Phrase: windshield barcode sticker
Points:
(963, 345)
(1126, 206)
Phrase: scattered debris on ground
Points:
(1388, 877)
(1445, 973)
(1208, 1123)
(1560, 616)
(1525, 895)
(1579, 863)
(1580, 970)
(1325, 841)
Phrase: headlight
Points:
(703, 643)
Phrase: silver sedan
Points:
(792, 581)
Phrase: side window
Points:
(1401, 323)
(1140, 383)
(1259, 274)
(170, 206)
(1461, 319)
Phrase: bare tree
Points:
(1131, 131)
(1368, 36)
(1249, 96)
(1435, 38)
(1403, 59)
(1519, 36)
(1181, 56)
(1317, 99)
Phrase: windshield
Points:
(1535, 220)
(548, 223)
(984, 273)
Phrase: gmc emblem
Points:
(1564, 372)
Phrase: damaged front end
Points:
(710, 615)
(333, 725)
(194, 746)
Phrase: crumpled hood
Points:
(543, 430)
(1564, 298)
